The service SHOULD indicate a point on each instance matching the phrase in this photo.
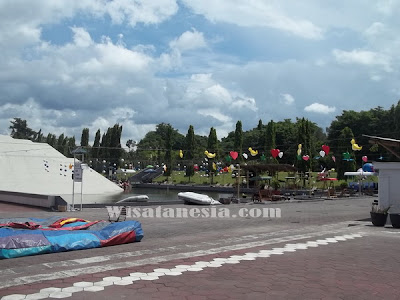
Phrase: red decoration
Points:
(326, 149)
(275, 152)
(234, 154)
(306, 157)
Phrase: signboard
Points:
(78, 172)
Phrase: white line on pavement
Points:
(20, 280)
(53, 292)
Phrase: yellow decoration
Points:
(180, 153)
(214, 166)
(355, 146)
(209, 155)
(253, 152)
(70, 220)
(299, 150)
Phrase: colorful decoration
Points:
(322, 153)
(180, 153)
(214, 166)
(234, 154)
(253, 152)
(306, 157)
(299, 152)
(333, 158)
(368, 167)
(228, 158)
(209, 155)
(275, 152)
(364, 158)
(262, 157)
(326, 149)
(280, 154)
(245, 155)
(346, 156)
(299, 149)
(354, 146)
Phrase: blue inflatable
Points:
(368, 167)
(30, 236)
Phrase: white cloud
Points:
(256, 13)
(363, 57)
(189, 40)
(215, 114)
(139, 11)
(376, 77)
(386, 7)
(245, 103)
(81, 37)
(141, 75)
(375, 29)
(320, 108)
(287, 99)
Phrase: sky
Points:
(66, 65)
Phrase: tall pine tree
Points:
(190, 151)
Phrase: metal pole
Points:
(83, 155)
(238, 186)
(73, 188)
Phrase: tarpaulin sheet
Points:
(30, 236)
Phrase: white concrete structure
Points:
(389, 185)
(39, 169)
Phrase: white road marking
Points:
(215, 263)
(19, 280)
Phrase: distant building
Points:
(29, 169)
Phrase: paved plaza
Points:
(324, 249)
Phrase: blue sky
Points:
(67, 64)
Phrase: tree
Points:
(103, 153)
(39, 136)
(238, 145)
(168, 152)
(51, 139)
(85, 137)
(71, 145)
(60, 143)
(190, 143)
(260, 125)
(270, 139)
(286, 140)
(344, 146)
(190, 150)
(115, 143)
(304, 138)
(212, 142)
(96, 147)
(20, 130)
(212, 146)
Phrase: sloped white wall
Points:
(37, 168)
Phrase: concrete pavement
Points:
(316, 250)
